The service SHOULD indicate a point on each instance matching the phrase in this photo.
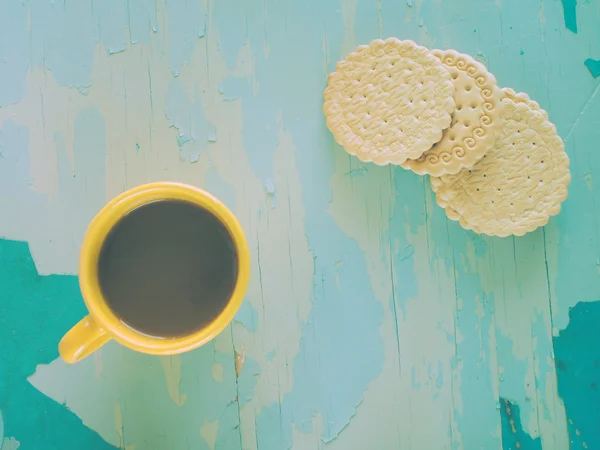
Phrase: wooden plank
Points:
(371, 321)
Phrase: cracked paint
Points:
(370, 319)
(513, 436)
(578, 369)
(593, 66)
(570, 14)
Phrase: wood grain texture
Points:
(371, 322)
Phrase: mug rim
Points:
(99, 229)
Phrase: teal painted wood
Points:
(371, 322)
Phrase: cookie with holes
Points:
(388, 101)
(522, 97)
(519, 183)
(475, 122)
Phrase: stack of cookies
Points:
(495, 162)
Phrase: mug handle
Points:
(82, 340)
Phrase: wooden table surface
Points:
(371, 322)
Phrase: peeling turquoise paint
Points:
(570, 13)
(232, 88)
(14, 46)
(228, 436)
(189, 118)
(187, 24)
(545, 351)
(478, 422)
(343, 325)
(513, 436)
(577, 352)
(247, 380)
(62, 37)
(261, 115)
(286, 44)
(575, 236)
(341, 336)
(142, 20)
(232, 29)
(159, 410)
(55, 302)
(216, 185)
(406, 209)
(269, 186)
(460, 251)
(113, 20)
(593, 66)
(14, 171)
(247, 316)
(513, 375)
(270, 190)
(73, 202)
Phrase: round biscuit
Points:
(388, 101)
(522, 97)
(475, 122)
(518, 185)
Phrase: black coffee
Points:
(168, 268)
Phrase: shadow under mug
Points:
(102, 325)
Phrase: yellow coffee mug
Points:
(102, 325)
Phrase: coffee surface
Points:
(168, 268)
